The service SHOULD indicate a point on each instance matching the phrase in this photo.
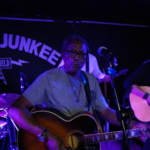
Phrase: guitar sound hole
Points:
(76, 140)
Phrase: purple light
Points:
(117, 24)
(27, 19)
(90, 22)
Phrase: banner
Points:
(28, 48)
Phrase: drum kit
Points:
(7, 126)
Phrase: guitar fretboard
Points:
(110, 136)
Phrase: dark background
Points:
(125, 11)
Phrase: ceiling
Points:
(116, 11)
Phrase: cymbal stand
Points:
(12, 132)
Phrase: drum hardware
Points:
(2, 123)
(3, 131)
(11, 120)
(6, 100)
(2, 113)
(11, 132)
(9, 128)
(23, 82)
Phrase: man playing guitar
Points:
(137, 86)
(62, 89)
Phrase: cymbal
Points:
(2, 123)
(7, 99)
(3, 113)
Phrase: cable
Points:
(3, 144)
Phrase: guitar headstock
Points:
(122, 72)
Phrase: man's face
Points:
(75, 56)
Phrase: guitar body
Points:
(69, 129)
(79, 132)
(140, 106)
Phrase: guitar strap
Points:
(87, 88)
(87, 63)
(88, 93)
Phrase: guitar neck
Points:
(110, 136)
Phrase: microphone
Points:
(102, 51)
(21, 82)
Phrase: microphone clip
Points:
(111, 71)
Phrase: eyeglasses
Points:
(73, 53)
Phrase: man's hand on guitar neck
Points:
(145, 130)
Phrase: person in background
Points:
(93, 68)
(133, 84)
(62, 89)
(140, 77)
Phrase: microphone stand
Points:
(120, 114)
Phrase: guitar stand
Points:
(12, 128)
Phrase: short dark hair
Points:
(74, 37)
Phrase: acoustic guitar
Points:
(78, 132)
(140, 106)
